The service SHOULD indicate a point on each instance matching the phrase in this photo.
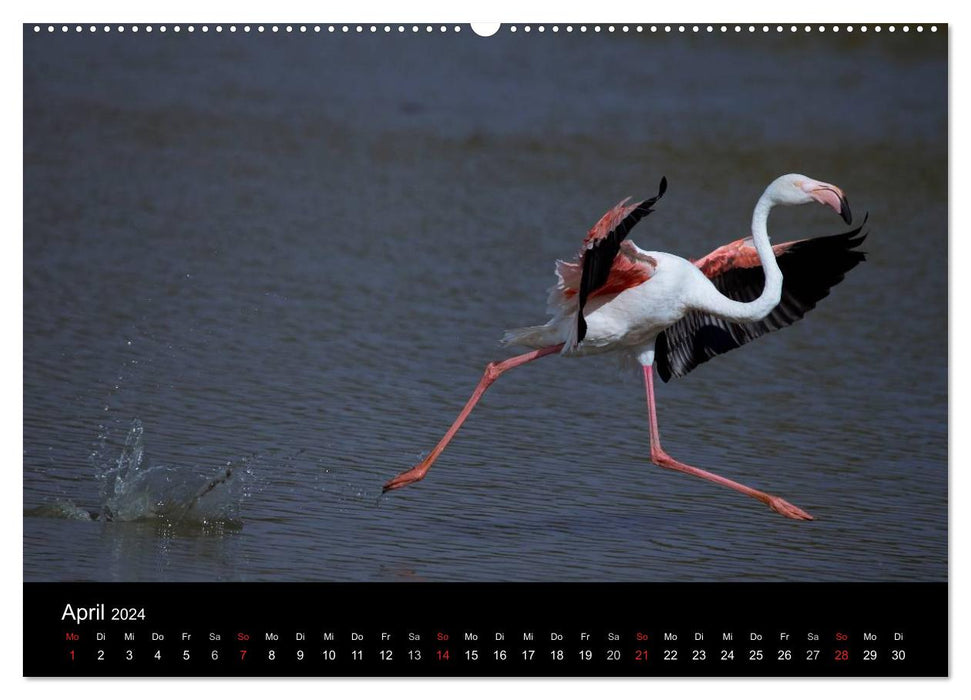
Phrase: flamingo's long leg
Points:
(662, 459)
(492, 372)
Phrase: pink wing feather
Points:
(736, 255)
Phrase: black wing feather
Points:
(810, 268)
(598, 260)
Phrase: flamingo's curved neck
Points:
(749, 312)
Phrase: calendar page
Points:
(497, 350)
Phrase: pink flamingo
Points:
(665, 311)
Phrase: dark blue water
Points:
(290, 257)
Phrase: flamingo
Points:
(672, 314)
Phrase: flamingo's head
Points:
(799, 189)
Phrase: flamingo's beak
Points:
(833, 197)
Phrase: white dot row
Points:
(344, 28)
(244, 28)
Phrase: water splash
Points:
(134, 489)
(61, 508)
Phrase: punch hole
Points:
(485, 28)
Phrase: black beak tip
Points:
(845, 211)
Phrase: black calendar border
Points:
(917, 611)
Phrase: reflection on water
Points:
(292, 256)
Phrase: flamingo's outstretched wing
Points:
(602, 244)
(810, 268)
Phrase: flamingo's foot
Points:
(779, 505)
(404, 478)
(785, 508)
